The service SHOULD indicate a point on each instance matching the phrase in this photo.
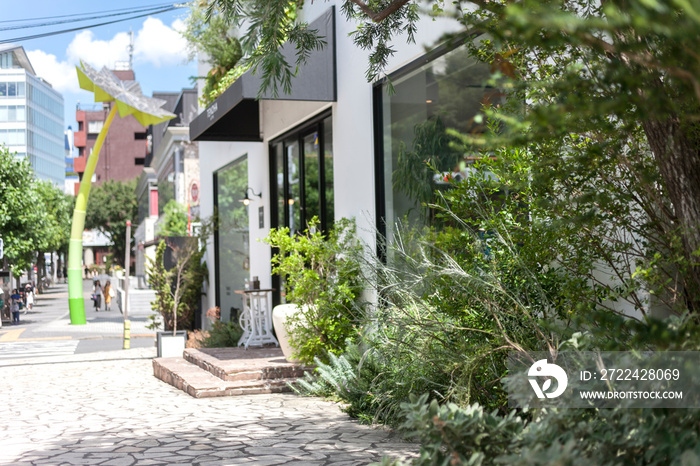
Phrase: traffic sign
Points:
(194, 191)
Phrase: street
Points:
(76, 398)
(46, 329)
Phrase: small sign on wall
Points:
(261, 217)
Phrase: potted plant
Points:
(176, 274)
(323, 282)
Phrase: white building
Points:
(330, 148)
(72, 180)
(31, 115)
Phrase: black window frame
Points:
(313, 124)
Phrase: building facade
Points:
(171, 174)
(71, 177)
(336, 146)
(31, 115)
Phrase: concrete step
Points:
(237, 364)
(210, 372)
(200, 383)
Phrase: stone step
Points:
(200, 383)
(239, 364)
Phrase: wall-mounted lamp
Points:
(246, 199)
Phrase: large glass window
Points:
(12, 113)
(13, 137)
(415, 152)
(301, 167)
(232, 237)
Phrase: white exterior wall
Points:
(353, 140)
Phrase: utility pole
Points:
(131, 49)
(127, 263)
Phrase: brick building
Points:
(124, 151)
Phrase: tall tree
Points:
(19, 205)
(110, 205)
(34, 214)
(55, 227)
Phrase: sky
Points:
(160, 59)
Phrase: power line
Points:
(79, 14)
(64, 31)
(81, 19)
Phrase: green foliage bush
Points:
(214, 36)
(443, 327)
(322, 274)
(451, 434)
(223, 335)
(174, 219)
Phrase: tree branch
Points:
(380, 16)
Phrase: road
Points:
(46, 330)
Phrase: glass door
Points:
(232, 237)
(301, 170)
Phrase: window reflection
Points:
(303, 179)
(232, 248)
(302, 182)
(311, 177)
(446, 93)
(293, 188)
(328, 171)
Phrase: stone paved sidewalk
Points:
(108, 409)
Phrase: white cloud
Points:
(155, 44)
(98, 53)
(160, 45)
(60, 74)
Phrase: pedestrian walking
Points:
(15, 303)
(109, 294)
(97, 295)
(29, 297)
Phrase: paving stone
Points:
(126, 461)
(115, 412)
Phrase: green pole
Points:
(76, 302)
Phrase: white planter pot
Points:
(280, 315)
(171, 346)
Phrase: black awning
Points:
(235, 114)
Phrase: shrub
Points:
(322, 273)
(223, 335)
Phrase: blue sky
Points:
(160, 53)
